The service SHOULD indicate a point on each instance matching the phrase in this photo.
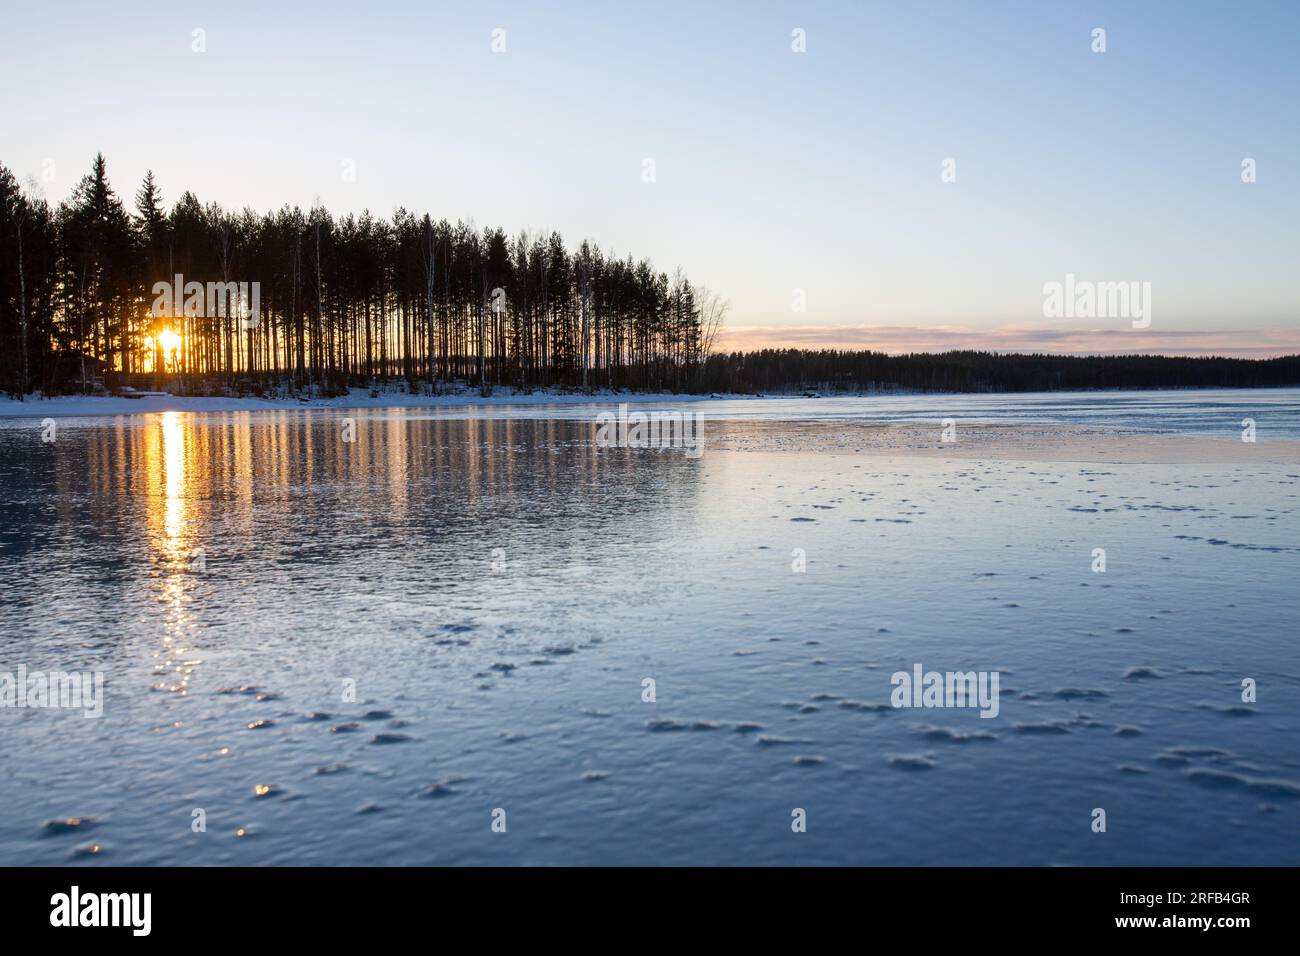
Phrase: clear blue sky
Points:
(775, 171)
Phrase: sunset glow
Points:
(169, 342)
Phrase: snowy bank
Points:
(65, 406)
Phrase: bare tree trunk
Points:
(582, 304)
(81, 314)
(430, 268)
(22, 308)
(482, 358)
(320, 301)
(226, 320)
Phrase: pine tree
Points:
(151, 220)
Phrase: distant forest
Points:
(358, 301)
(780, 370)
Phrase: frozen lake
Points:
(498, 589)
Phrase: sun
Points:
(162, 350)
(168, 341)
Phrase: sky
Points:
(805, 188)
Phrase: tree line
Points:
(832, 370)
(343, 301)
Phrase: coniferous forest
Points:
(343, 301)
(360, 300)
(829, 370)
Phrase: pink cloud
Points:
(1243, 343)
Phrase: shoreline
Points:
(76, 406)
(67, 406)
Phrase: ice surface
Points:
(513, 678)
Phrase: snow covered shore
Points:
(65, 406)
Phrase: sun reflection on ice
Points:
(166, 461)
(173, 443)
